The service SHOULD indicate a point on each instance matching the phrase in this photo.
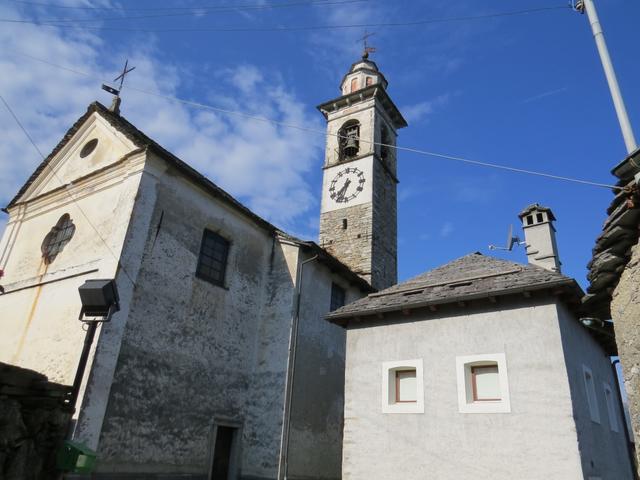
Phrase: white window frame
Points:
(611, 407)
(590, 393)
(389, 405)
(466, 404)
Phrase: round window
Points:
(88, 148)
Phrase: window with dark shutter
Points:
(212, 262)
(337, 296)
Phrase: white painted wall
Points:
(40, 308)
(604, 452)
(537, 439)
(194, 353)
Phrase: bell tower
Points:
(358, 218)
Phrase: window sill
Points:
(485, 406)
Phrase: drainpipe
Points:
(630, 445)
(283, 461)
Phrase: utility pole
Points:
(588, 6)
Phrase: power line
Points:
(185, 12)
(324, 133)
(26, 133)
(228, 6)
(292, 28)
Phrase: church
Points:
(242, 352)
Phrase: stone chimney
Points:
(540, 237)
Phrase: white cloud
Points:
(446, 230)
(420, 111)
(542, 95)
(264, 165)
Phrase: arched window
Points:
(385, 140)
(349, 139)
(354, 84)
(57, 238)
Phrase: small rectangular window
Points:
(611, 408)
(406, 387)
(337, 297)
(485, 381)
(403, 386)
(590, 392)
(369, 81)
(212, 261)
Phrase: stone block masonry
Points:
(351, 245)
(625, 313)
(33, 424)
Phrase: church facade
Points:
(219, 363)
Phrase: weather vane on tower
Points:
(115, 104)
(367, 49)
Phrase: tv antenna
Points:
(511, 241)
(115, 105)
(367, 49)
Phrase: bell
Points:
(351, 147)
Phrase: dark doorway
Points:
(222, 452)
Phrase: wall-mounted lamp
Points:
(99, 300)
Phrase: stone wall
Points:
(33, 424)
(351, 245)
(384, 270)
(625, 313)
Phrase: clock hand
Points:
(342, 191)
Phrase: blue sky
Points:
(526, 91)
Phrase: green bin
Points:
(75, 457)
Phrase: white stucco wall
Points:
(318, 403)
(537, 439)
(39, 318)
(604, 452)
(194, 353)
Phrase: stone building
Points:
(194, 377)
(614, 275)
(219, 363)
(481, 368)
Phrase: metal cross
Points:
(366, 48)
(120, 77)
(123, 74)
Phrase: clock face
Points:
(346, 185)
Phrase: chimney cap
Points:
(536, 207)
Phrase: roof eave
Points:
(568, 284)
(368, 92)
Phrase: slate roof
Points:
(620, 232)
(474, 277)
(142, 141)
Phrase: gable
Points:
(75, 158)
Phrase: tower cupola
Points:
(364, 73)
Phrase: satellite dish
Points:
(511, 241)
(510, 238)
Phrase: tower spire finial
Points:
(115, 104)
(366, 48)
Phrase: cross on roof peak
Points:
(115, 105)
(367, 49)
